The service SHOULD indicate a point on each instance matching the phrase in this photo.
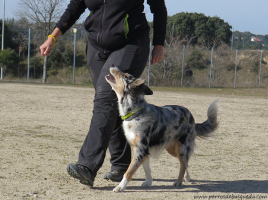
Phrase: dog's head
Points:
(124, 83)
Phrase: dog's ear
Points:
(137, 82)
(146, 90)
(141, 84)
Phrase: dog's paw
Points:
(147, 184)
(122, 185)
(177, 184)
(118, 189)
(187, 178)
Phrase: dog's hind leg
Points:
(186, 176)
(188, 153)
(183, 169)
(176, 149)
(148, 181)
(137, 160)
(184, 157)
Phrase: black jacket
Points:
(114, 23)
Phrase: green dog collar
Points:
(130, 114)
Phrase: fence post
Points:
(182, 68)
(150, 57)
(235, 69)
(211, 67)
(74, 31)
(232, 40)
(19, 62)
(2, 72)
(260, 70)
(29, 51)
(3, 33)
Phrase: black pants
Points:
(106, 125)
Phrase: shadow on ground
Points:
(239, 186)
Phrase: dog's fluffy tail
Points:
(211, 124)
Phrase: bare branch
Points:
(41, 12)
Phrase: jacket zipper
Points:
(100, 34)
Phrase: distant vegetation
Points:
(199, 33)
(243, 41)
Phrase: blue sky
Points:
(243, 15)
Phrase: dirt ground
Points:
(42, 128)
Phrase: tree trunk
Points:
(45, 71)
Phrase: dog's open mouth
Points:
(110, 78)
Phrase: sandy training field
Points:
(42, 128)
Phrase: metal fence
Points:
(226, 68)
(244, 68)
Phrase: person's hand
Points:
(157, 54)
(46, 46)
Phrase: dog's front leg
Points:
(137, 160)
(148, 181)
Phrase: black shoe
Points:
(116, 176)
(84, 174)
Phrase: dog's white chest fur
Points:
(129, 133)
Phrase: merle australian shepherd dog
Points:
(150, 129)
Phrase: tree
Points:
(257, 46)
(57, 55)
(36, 66)
(217, 32)
(10, 37)
(9, 60)
(197, 60)
(265, 39)
(170, 67)
(42, 13)
(210, 31)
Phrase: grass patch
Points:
(260, 92)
